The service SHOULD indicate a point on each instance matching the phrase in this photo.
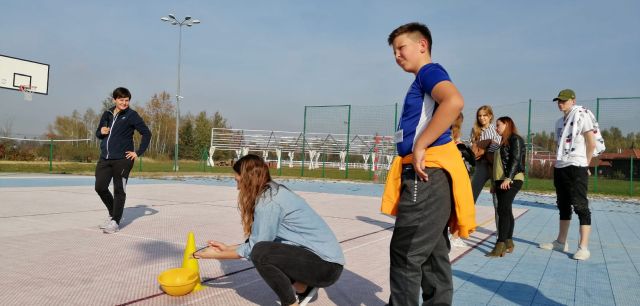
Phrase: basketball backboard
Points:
(15, 72)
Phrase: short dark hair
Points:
(412, 27)
(121, 92)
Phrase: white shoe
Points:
(458, 242)
(105, 223)
(582, 254)
(555, 245)
(111, 228)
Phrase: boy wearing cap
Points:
(576, 136)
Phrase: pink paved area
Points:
(54, 253)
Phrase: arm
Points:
(104, 123)
(516, 148)
(142, 128)
(450, 105)
(590, 142)
(267, 220)
(218, 250)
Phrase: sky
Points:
(260, 62)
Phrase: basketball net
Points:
(27, 91)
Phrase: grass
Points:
(155, 168)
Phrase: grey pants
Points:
(481, 174)
(419, 249)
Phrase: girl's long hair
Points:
(254, 181)
(476, 131)
(509, 129)
(455, 128)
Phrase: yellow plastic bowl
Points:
(178, 281)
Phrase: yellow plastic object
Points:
(178, 281)
(189, 262)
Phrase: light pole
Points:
(188, 21)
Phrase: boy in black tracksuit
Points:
(117, 154)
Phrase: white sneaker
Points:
(458, 242)
(555, 245)
(582, 254)
(105, 223)
(111, 228)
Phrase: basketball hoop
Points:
(27, 91)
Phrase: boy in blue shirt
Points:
(432, 180)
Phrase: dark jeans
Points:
(419, 249)
(571, 190)
(506, 221)
(280, 265)
(118, 169)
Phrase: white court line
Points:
(365, 244)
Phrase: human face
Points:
(121, 104)
(484, 118)
(500, 127)
(238, 178)
(566, 105)
(410, 53)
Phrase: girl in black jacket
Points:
(508, 174)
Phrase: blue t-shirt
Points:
(419, 107)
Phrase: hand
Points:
(506, 184)
(131, 155)
(492, 189)
(479, 153)
(213, 251)
(418, 164)
(588, 172)
(104, 130)
(218, 245)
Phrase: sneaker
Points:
(555, 245)
(582, 254)
(111, 228)
(305, 297)
(458, 242)
(105, 223)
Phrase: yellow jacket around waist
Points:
(446, 157)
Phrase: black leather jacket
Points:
(512, 155)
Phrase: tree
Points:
(188, 149)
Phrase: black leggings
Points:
(118, 169)
(506, 222)
(280, 265)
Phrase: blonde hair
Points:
(476, 131)
(254, 181)
(456, 127)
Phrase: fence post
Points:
(346, 173)
(595, 178)
(304, 135)
(140, 164)
(631, 175)
(50, 155)
(529, 149)
(324, 160)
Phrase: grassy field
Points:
(152, 168)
